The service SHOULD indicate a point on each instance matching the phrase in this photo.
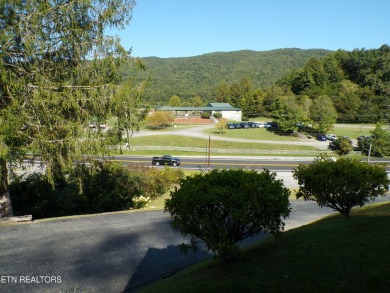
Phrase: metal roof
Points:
(209, 107)
(220, 105)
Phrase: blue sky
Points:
(183, 28)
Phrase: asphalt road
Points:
(275, 164)
(196, 162)
(117, 252)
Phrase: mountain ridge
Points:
(200, 75)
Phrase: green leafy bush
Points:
(223, 207)
(107, 186)
(341, 184)
(206, 114)
(378, 144)
(91, 188)
(35, 195)
(140, 202)
(341, 146)
(154, 182)
(112, 187)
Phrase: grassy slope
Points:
(352, 130)
(260, 134)
(331, 255)
(187, 141)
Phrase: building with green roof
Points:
(227, 111)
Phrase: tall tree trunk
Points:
(128, 139)
(5, 199)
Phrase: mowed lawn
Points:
(353, 131)
(187, 141)
(256, 134)
(251, 133)
(350, 130)
(331, 255)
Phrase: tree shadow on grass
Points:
(162, 263)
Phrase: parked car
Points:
(363, 137)
(244, 125)
(230, 126)
(165, 160)
(273, 124)
(331, 137)
(237, 125)
(321, 137)
(263, 124)
(253, 124)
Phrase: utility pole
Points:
(369, 152)
(208, 159)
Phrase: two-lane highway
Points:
(245, 162)
(196, 162)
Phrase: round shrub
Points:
(223, 207)
(206, 114)
(341, 184)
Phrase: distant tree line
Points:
(357, 83)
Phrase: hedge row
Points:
(94, 188)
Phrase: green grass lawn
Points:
(173, 127)
(232, 148)
(331, 255)
(251, 133)
(187, 141)
(259, 134)
(352, 130)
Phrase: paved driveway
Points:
(103, 253)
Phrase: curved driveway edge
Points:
(101, 253)
(104, 253)
(197, 132)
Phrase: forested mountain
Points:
(291, 85)
(357, 85)
(188, 77)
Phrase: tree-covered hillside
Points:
(293, 86)
(200, 75)
(357, 84)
